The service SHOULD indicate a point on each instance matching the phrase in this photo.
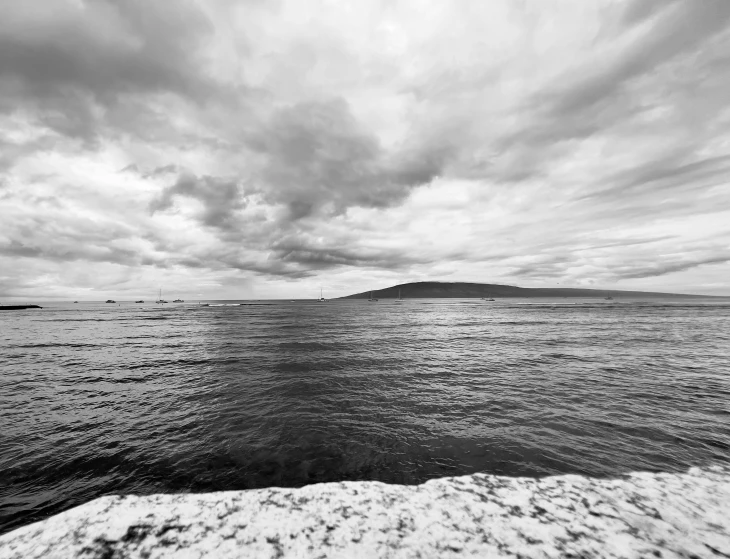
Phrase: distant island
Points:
(463, 290)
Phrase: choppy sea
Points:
(102, 399)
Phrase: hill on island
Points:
(462, 290)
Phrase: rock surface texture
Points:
(641, 515)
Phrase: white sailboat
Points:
(321, 297)
(372, 299)
(160, 300)
(399, 299)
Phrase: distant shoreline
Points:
(383, 294)
(465, 290)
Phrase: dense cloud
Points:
(220, 198)
(319, 158)
(248, 144)
(91, 69)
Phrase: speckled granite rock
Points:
(642, 515)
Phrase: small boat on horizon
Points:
(139, 301)
(178, 301)
(609, 298)
(321, 297)
(399, 299)
(160, 300)
(110, 301)
(372, 299)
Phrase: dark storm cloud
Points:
(92, 70)
(104, 47)
(60, 60)
(221, 198)
(319, 158)
(317, 161)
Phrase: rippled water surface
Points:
(100, 399)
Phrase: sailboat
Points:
(160, 300)
(372, 299)
(321, 297)
(399, 299)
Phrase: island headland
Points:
(464, 290)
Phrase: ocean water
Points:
(109, 399)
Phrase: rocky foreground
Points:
(641, 515)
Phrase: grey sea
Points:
(136, 398)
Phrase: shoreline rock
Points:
(639, 515)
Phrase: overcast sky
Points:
(236, 149)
